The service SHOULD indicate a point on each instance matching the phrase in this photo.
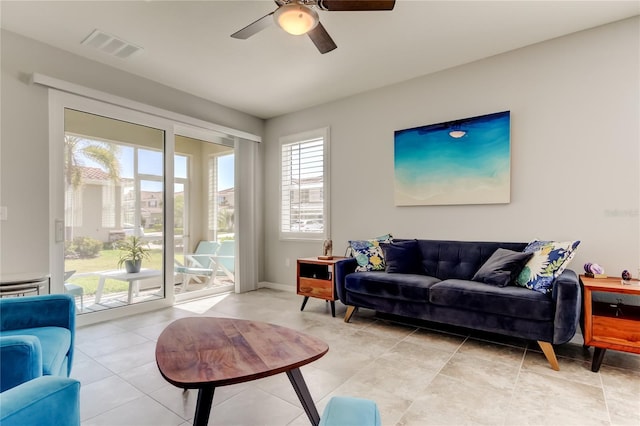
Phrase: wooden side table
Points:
(610, 325)
(315, 278)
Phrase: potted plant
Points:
(133, 250)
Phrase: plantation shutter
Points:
(303, 187)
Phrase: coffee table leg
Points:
(203, 406)
(298, 383)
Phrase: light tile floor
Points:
(417, 375)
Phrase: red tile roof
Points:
(94, 173)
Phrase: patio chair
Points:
(225, 259)
(198, 264)
(74, 289)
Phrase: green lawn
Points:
(107, 260)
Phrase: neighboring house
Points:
(151, 204)
(226, 198)
(309, 203)
(90, 209)
(104, 209)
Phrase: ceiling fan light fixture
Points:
(296, 19)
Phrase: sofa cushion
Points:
(502, 268)
(549, 259)
(407, 287)
(402, 257)
(458, 259)
(55, 343)
(368, 253)
(511, 301)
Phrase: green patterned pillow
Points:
(549, 259)
(368, 253)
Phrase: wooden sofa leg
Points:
(350, 311)
(547, 349)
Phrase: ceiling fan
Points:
(299, 17)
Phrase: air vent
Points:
(111, 45)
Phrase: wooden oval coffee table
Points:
(206, 352)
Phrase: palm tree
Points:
(76, 150)
(225, 219)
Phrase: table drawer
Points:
(316, 288)
(616, 331)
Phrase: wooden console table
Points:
(610, 325)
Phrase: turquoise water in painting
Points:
(431, 167)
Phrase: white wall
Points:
(575, 113)
(24, 139)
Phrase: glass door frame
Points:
(58, 102)
(207, 136)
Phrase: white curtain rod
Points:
(98, 95)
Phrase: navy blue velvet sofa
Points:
(448, 295)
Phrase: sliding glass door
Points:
(114, 211)
(204, 207)
(131, 186)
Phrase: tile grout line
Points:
(604, 396)
(439, 369)
(515, 383)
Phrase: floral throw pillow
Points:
(549, 259)
(368, 253)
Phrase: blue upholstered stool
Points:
(348, 411)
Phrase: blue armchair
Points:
(36, 347)
(45, 401)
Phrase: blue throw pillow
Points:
(402, 257)
(502, 268)
(368, 253)
(550, 259)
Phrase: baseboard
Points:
(276, 286)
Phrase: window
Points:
(221, 194)
(108, 205)
(304, 186)
(73, 206)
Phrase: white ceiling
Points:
(187, 44)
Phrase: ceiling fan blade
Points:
(356, 5)
(254, 27)
(321, 38)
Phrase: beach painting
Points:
(466, 161)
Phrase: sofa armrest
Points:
(21, 360)
(49, 310)
(343, 267)
(567, 295)
(45, 401)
